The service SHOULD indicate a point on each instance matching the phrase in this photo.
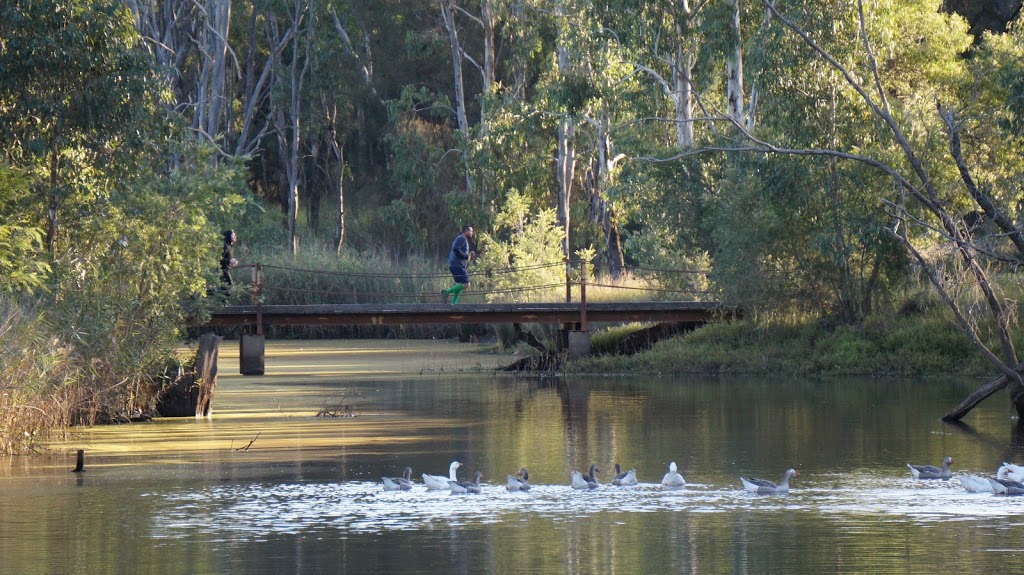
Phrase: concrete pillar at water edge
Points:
(579, 344)
(251, 354)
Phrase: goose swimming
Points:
(1014, 472)
(932, 472)
(518, 482)
(673, 478)
(978, 484)
(402, 483)
(580, 481)
(464, 487)
(624, 478)
(440, 481)
(765, 487)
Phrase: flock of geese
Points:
(1009, 480)
(577, 479)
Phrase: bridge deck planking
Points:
(385, 314)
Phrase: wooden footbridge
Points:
(575, 314)
(572, 316)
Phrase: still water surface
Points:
(186, 496)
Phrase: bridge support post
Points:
(579, 344)
(251, 358)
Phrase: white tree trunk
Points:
(683, 75)
(448, 15)
(336, 177)
(289, 128)
(566, 158)
(734, 68)
(218, 28)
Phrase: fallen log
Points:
(984, 391)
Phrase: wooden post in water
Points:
(206, 372)
(80, 462)
(251, 346)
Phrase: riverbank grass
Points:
(920, 345)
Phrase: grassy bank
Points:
(920, 344)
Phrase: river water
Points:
(265, 486)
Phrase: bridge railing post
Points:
(255, 293)
(568, 280)
(583, 295)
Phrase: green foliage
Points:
(133, 265)
(72, 75)
(138, 215)
(525, 262)
(886, 345)
(425, 176)
(21, 263)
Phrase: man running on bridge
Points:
(458, 262)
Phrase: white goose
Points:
(440, 481)
(403, 483)
(1003, 485)
(673, 478)
(1014, 472)
(978, 484)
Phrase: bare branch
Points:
(468, 15)
(871, 58)
(983, 200)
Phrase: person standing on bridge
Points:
(227, 259)
(458, 263)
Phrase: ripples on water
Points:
(261, 510)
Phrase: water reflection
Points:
(181, 497)
(258, 511)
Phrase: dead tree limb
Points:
(980, 395)
(246, 448)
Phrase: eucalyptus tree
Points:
(298, 20)
(68, 108)
(917, 93)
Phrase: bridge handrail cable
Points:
(407, 276)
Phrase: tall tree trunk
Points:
(682, 73)
(216, 46)
(54, 203)
(566, 171)
(734, 67)
(602, 211)
(566, 163)
(288, 128)
(518, 68)
(487, 22)
(336, 176)
(448, 15)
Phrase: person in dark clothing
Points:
(227, 258)
(458, 263)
